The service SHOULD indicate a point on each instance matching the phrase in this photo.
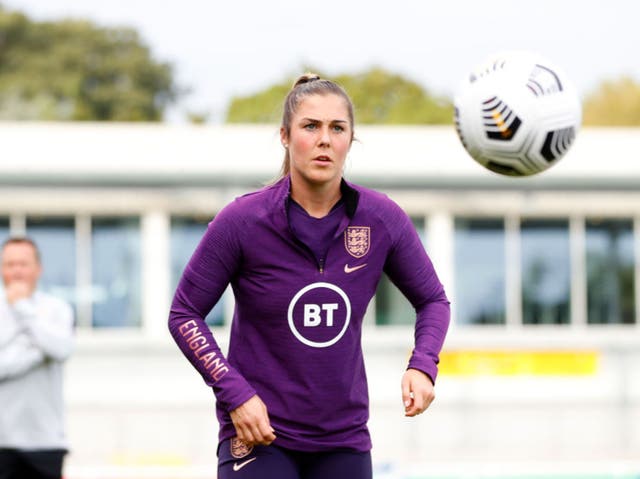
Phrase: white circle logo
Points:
(319, 314)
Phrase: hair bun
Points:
(306, 78)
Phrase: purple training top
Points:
(295, 335)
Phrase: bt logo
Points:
(313, 317)
(319, 314)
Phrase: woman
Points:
(304, 256)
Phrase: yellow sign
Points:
(515, 363)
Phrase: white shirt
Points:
(36, 337)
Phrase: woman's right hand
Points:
(251, 421)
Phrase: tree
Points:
(263, 107)
(379, 97)
(614, 102)
(75, 70)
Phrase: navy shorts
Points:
(237, 461)
(16, 464)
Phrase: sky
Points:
(221, 49)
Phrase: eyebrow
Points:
(320, 121)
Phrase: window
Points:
(480, 271)
(115, 270)
(186, 233)
(610, 272)
(4, 229)
(56, 241)
(391, 305)
(546, 277)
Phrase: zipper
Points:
(319, 261)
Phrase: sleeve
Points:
(410, 269)
(211, 268)
(50, 327)
(9, 328)
(19, 356)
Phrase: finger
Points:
(419, 402)
(412, 411)
(415, 408)
(422, 402)
(246, 431)
(267, 440)
(256, 437)
(262, 433)
(259, 428)
(267, 433)
(245, 434)
(406, 393)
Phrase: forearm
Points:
(187, 325)
(208, 273)
(9, 330)
(410, 268)
(51, 330)
(19, 357)
(432, 322)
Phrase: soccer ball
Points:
(517, 114)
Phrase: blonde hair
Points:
(306, 85)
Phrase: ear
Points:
(284, 139)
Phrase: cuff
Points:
(425, 363)
(233, 390)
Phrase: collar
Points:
(350, 195)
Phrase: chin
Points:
(322, 181)
(323, 176)
(318, 177)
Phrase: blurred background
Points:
(125, 127)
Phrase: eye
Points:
(310, 126)
(338, 128)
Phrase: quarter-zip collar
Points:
(282, 193)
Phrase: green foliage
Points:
(615, 103)
(263, 107)
(379, 97)
(74, 70)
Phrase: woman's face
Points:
(319, 139)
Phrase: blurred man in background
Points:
(36, 335)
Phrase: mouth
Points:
(322, 159)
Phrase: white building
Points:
(541, 369)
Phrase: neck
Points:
(316, 201)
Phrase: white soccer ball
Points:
(517, 114)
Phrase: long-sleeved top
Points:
(36, 337)
(296, 330)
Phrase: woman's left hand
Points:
(417, 392)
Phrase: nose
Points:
(325, 138)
